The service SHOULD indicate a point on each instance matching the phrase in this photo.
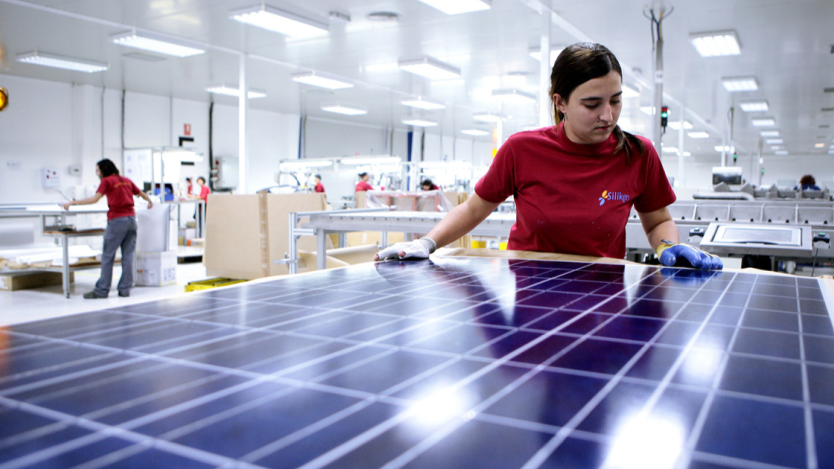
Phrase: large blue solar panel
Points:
(452, 363)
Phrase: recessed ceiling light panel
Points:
(486, 117)
(763, 122)
(475, 132)
(734, 84)
(344, 109)
(769, 133)
(754, 106)
(454, 7)
(698, 135)
(513, 94)
(234, 90)
(780, 152)
(157, 43)
(322, 80)
(59, 61)
(279, 21)
(774, 141)
(419, 123)
(717, 43)
(423, 103)
(430, 68)
(676, 125)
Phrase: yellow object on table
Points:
(211, 283)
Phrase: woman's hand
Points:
(66, 205)
(681, 255)
(420, 249)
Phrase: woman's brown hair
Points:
(808, 180)
(579, 63)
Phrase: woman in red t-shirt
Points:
(363, 185)
(574, 184)
(121, 227)
(319, 185)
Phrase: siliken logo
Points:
(613, 196)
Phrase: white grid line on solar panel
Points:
(810, 442)
(695, 435)
(734, 462)
(405, 458)
(103, 431)
(137, 320)
(358, 441)
(114, 457)
(58, 367)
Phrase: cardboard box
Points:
(14, 282)
(156, 269)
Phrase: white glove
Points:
(419, 249)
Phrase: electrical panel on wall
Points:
(50, 178)
(74, 170)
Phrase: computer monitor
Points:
(728, 174)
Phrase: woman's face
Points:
(98, 172)
(593, 109)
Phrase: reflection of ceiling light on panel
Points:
(475, 132)
(698, 135)
(774, 141)
(58, 61)
(716, 43)
(423, 103)
(629, 92)
(344, 109)
(763, 122)
(513, 94)
(454, 7)
(676, 125)
(769, 133)
(733, 84)
(279, 21)
(157, 43)
(649, 110)
(233, 90)
(536, 53)
(486, 117)
(322, 80)
(430, 68)
(419, 123)
(754, 106)
(781, 152)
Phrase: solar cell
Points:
(446, 363)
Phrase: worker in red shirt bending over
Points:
(363, 185)
(574, 183)
(121, 227)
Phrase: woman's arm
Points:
(147, 199)
(88, 201)
(461, 220)
(658, 226)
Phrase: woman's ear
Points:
(560, 103)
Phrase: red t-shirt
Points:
(362, 186)
(119, 191)
(573, 198)
(319, 187)
(204, 193)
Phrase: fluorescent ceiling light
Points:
(629, 92)
(322, 80)
(754, 106)
(347, 110)
(430, 68)
(819, 145)
(486, 117)
(513, 94)
(58, 61)
(720, 148)
(423, 103)
(419, 123)
(776, 147)
(454, 7)
(279, 21)
(698, 135)
(717, 43)
(371, 160)
(769, 133)
(649, 110)
(301, 164)
(475, 132)
(781, 152)
(670, 150)
(686, 153)
(763, 122)
(157, 43)
(676, 125)
(733, 84)
(536, 53)
(233, 90)
(774, 141)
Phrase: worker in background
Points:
(428, 185)
(204, 190)
(189, 187)
(121, 227)
(363, 185)
(808, 183)
(574, 183)
(319, 185)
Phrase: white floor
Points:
(47, 302)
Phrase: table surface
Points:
(453, 362)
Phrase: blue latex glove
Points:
(681, 255)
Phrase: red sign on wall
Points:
(186, 129)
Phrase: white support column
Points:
(241, 136)
(545, 118)
(681, 180)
